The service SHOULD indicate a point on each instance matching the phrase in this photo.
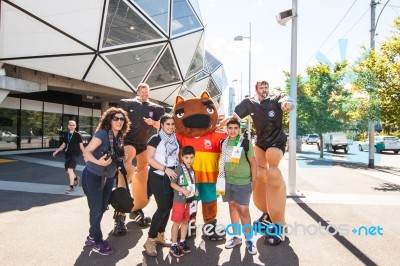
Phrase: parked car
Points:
(7, 136)
(382, 143)
(312, 138)
(334, 141)
(86, 137)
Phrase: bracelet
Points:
(165, 167)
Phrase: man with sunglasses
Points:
(144, 116)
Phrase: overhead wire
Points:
(330, 34)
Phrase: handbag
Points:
(121, 199)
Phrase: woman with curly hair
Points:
(101, 156)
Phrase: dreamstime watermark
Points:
(250, 230)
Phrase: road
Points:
(385, 159)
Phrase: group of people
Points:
(164, 170)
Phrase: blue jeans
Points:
(97, 200)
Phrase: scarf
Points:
(170, 142)
(224, 153)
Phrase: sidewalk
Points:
(40, 225)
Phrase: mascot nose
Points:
(197, 121)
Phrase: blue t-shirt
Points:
(96, 169)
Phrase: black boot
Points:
(210, 231)
(139, 217)
(119, 226)
(264, 221)
(274, 235)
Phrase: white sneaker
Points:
(233, 241)
(251, 248)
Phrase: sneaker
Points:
(119, 226)
(162, 240)
(175, 251)
(89, 241)
(251, 248)
(184, 246)
(69, 190)
(103, 249)
(150, 247)
(76, 181)
(233, 241)
(273, 238)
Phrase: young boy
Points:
(184, 193)
(240, 171)
(72, 142)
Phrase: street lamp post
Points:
(240, 38)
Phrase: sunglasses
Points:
(116, 118)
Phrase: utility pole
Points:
(371, 125)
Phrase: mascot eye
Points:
(180, 114)
(210, 110)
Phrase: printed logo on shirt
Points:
(151, 114)
(207, 144)
(130, 110)
(271, 113)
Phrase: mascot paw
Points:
(212, 232)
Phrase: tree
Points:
(321, 100)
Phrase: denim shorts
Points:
(237, 193)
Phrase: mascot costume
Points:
(195, 121)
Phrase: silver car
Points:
(382, 143)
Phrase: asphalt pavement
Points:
(347, 215)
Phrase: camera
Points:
(114, 155)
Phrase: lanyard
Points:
(69, 137)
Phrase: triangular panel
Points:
(198, 59)
(157, 10)
(201, 75)
(217, 76)
(102, 74)
(134, 64)
(200, 86)
(183, 18)
(212, 62)
(171, 99)
(165, 72)
(63, 14)
(68, 66)
(184, 48)
(196, 7)
(24, 36)
(161, 94)
(212, 89)
(124, 25)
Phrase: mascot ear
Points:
(205, 94)
(179, 99)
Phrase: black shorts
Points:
(71, 162)
(279, 145)
(138, 147)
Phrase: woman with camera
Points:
(101, 155)
(162, 155)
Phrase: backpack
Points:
(245, 145)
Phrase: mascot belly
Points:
(195, 121)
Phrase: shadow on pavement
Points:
(335, 234)
(387, 187)
(120, 244)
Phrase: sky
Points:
(321, 25)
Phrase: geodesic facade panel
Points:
(116, 43)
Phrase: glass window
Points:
(198, 59)
(183, 18)
(165, 72)
(31, 124)
(212, 89)
(52, 116)
(125, 26)
(135, 64)
(157, 10)
(9, 109)
(211, 62)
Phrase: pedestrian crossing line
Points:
(38, 188)
(7, 160)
